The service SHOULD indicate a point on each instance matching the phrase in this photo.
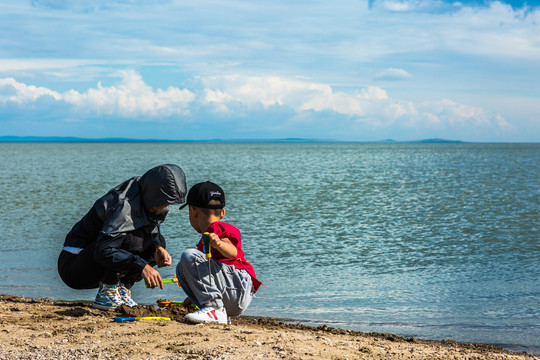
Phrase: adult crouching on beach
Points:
(118, 242)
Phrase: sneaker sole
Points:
(196, 321)
(103, 307)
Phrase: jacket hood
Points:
(124, 208)
(163, 185)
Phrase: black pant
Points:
(81, 271)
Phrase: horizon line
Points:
(74, 139)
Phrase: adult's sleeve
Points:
(109, 254)
(159, 240)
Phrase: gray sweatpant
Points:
(230, 288)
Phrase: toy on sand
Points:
(166, 303)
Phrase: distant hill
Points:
(59, 139)
(438, 141)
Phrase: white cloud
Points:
(459, 114)
(241, 96)
(14, 91)
(370, 106)
(87, 5)
(132, 97)
(417, 5)
(392, 74)
(299, 95)
(9, 65)
(492, 32)
(503, 124)
(270, 90)
(497, 30)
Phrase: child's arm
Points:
(224, 246)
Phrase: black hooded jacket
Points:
(126, 237)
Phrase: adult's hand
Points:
(162, 257)
(152, 277)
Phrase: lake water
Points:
(435, 241)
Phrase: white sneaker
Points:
(208, 315)
(107, 297)
(125, 295)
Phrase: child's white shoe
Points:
(208, 315)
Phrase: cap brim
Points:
(183, 206)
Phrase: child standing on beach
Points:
(228, 288)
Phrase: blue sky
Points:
(340, 70)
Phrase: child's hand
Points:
(224, 246)
(162, 257)
(215, 241)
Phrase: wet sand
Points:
(52, 329)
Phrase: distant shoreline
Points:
(114, 140)
(59, 139)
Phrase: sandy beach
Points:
(52, 329)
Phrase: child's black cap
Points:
(201, 194)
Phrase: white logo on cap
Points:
(215, 193)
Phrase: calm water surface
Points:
(435, 241)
